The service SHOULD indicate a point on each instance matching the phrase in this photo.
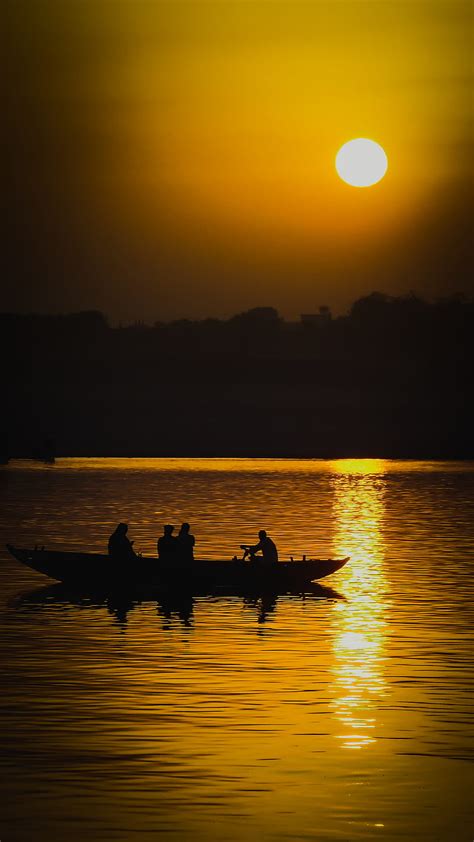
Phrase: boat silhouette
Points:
(104, 571)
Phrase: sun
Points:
(361, 162)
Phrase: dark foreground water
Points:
(340, 716)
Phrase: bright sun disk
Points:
(361, 162)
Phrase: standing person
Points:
(266, 546)
(167, 544)
(119, 545)
(186, 543)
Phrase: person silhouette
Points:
(119, 545)
(167, 543)
(186, 543)
(266, 546)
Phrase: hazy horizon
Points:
(149, 319)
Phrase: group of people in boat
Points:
(176, 547)
(179, 548)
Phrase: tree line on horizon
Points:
(393, 377)
(374, 308)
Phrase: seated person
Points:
(119, 545)
(167, 545)
(186, 543)
(266, 546)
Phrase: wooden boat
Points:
(88, 568)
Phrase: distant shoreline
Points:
(421, 457)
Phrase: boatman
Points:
(266, 546)
(119, 545)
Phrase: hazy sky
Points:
(170, 158)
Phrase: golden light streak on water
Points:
(358, 665)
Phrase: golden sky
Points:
(176, 158)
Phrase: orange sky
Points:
(177, 158)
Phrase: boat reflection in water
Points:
(359, 623)
(172, 605)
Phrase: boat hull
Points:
(86, 568)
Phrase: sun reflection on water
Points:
(358, 665)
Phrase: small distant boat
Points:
(104, 571)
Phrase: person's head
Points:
(185, 527)
(168, 529)
(122, 528)
(262, 534)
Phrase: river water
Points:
(341, 715)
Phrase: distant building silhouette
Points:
(324, 317)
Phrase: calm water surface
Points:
(343, 715)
